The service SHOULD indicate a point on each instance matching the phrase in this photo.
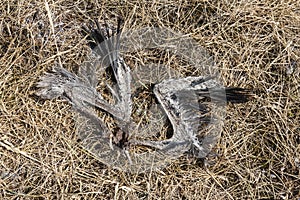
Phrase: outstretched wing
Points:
(64, 84)
(106, 48)
(186, 102)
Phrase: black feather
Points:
(233, 95)
(238, 95)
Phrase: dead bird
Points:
(182, 99)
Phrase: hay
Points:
(255, 45)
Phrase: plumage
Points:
(182, 99)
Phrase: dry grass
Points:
(255, 45)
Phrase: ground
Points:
(255, 45)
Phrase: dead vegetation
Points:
(255, 45)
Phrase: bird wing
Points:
(64, 84)
(106, 48)
(188, 103)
